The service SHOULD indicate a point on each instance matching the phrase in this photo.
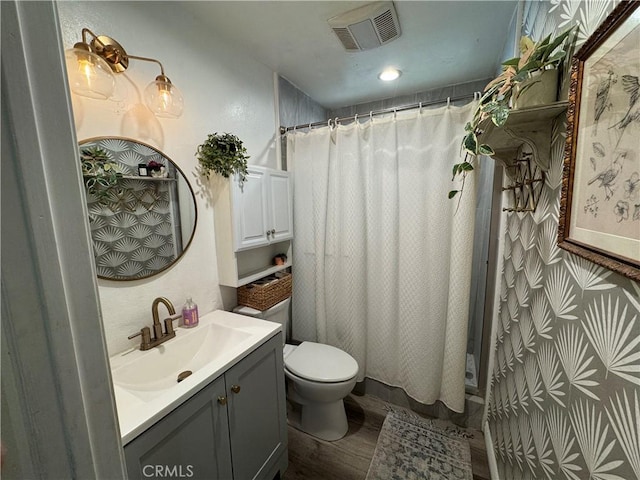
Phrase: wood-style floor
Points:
(348, 458)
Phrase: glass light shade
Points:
(163, 98)
(89, 75)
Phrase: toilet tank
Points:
(279, 313)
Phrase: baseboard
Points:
(491, 454)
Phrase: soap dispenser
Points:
(190, 314)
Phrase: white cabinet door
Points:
(250, 203)
(263, 211)
(281, 210)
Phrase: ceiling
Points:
(442, 43)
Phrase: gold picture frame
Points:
(600, 203)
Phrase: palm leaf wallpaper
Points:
(134, 227)
(564, 392)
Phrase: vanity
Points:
(224, 420)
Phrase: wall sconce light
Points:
(91, 67)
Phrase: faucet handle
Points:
(168, 323)
(146, 337)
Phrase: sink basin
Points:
(145, 383)
(157, 369)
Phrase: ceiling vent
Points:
(367, 27)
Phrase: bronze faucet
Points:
(158, 335)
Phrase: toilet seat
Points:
(321, 363)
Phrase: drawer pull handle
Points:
(222, 400)
(235, 388)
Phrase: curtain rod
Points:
(372, 113)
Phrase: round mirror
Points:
(142, 210)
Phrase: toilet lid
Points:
(321, 363)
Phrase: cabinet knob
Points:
(222, 400)
(235, 388)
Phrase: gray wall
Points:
(565, 386)
(438, 94)
(296, 107)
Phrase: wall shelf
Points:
(138, 177)
(529, 126)
(260, 273)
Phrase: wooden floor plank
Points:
(348, 458)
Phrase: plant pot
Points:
(541, 88)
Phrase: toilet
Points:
(320, 376)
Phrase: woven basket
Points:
(266, 292)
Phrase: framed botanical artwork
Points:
(600, 204)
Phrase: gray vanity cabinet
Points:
(257, 413)
(234, 428)
(190, 442)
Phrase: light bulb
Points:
(89, 75)
(389, 74)
(163, 98)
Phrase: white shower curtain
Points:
(381, 257)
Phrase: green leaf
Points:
(500, 115)
(556, 57)
(490, 107)
(456, 169)
(470, 143)
(453, 193)
(468, 127)
(557, 41)
(523, 73)
(466, 166)
(485, 149)
(512, 62)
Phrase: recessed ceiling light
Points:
(389, 74)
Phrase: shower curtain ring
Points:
(420, 107)
(371, 115)
(448, 102)
(329, 123)
(394, 113)
(335, 122)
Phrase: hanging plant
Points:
(101, 173)
(495, 103)
(224, 155)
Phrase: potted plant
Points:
(100, 171)
(518, 75)
(223, 154)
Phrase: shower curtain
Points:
(382, 257)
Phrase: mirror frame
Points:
(82, 144)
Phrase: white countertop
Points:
(137, 411)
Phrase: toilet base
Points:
(326, 421)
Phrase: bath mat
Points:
(410, 447)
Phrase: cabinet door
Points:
(280, 203)
(250, 203)
(190, 442)
(257, 413)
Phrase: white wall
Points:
(224, 90)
